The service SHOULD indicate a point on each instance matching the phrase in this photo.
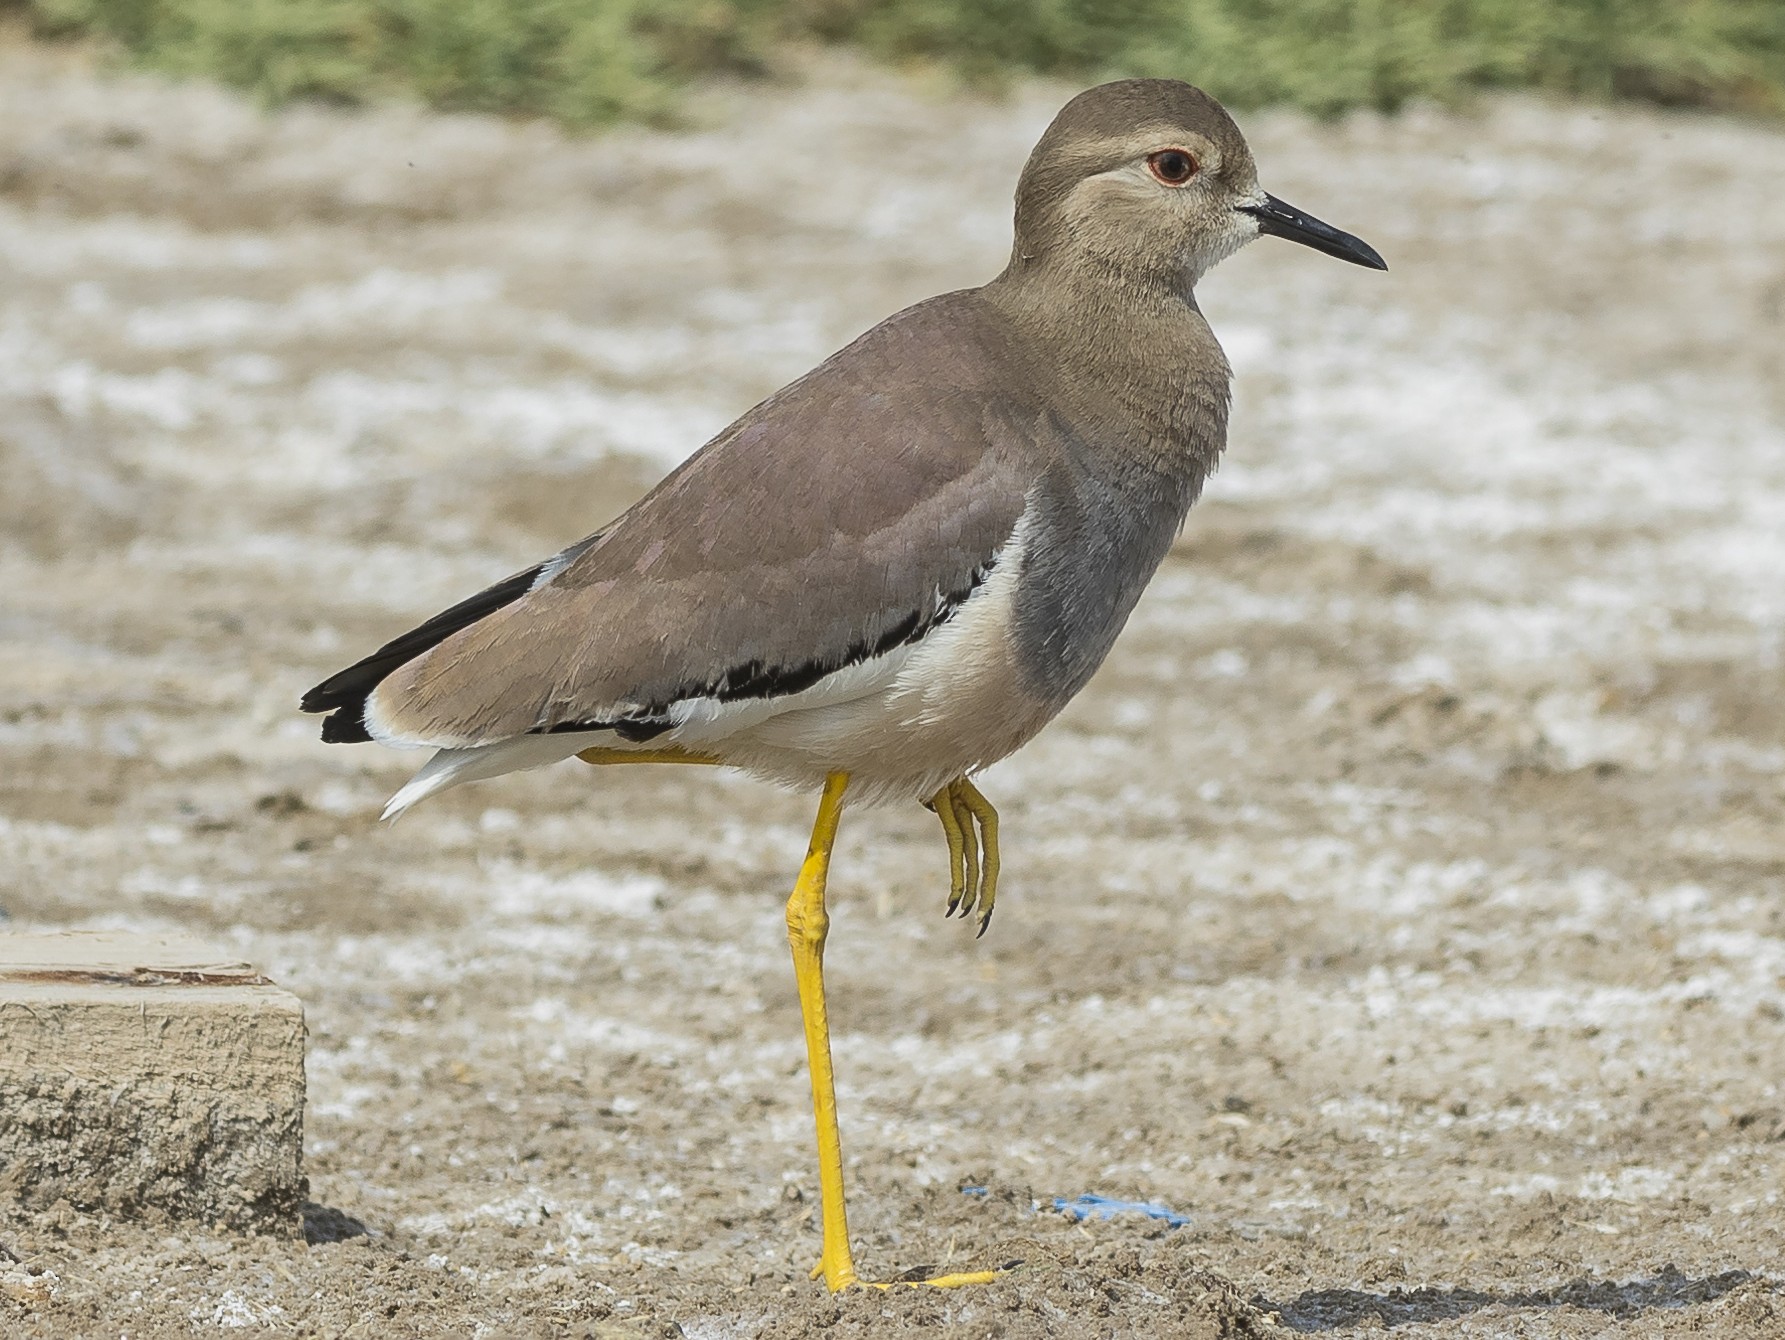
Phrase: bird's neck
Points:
(1133, 365)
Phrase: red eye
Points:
(1174, 167)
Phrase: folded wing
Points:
(847, 514)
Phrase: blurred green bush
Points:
(586, 62)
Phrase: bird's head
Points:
(1150, 180)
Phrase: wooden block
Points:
(151, 1076)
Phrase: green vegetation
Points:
(586, 62)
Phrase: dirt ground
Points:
(1403, 905)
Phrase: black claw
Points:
(952, 904)
(984, 921)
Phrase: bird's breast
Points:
(1101, 524)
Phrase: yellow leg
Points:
(942, 803)
(981, 809)
(808, 923)
(603, 754)
(973, 861)
(970, 851)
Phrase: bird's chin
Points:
(1210, 252)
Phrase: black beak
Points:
(1281, 220)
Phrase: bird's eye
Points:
(1174, 167)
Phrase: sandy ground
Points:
(1402, 904)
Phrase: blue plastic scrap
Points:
(1108, 1207)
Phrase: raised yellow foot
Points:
(973, 858)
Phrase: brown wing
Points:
(845, 514)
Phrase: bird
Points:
(894, 571)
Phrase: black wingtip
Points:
(319, 699)
(344, 727)
(344, 693)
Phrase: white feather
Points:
(454, 767)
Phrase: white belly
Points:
(939, 709)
